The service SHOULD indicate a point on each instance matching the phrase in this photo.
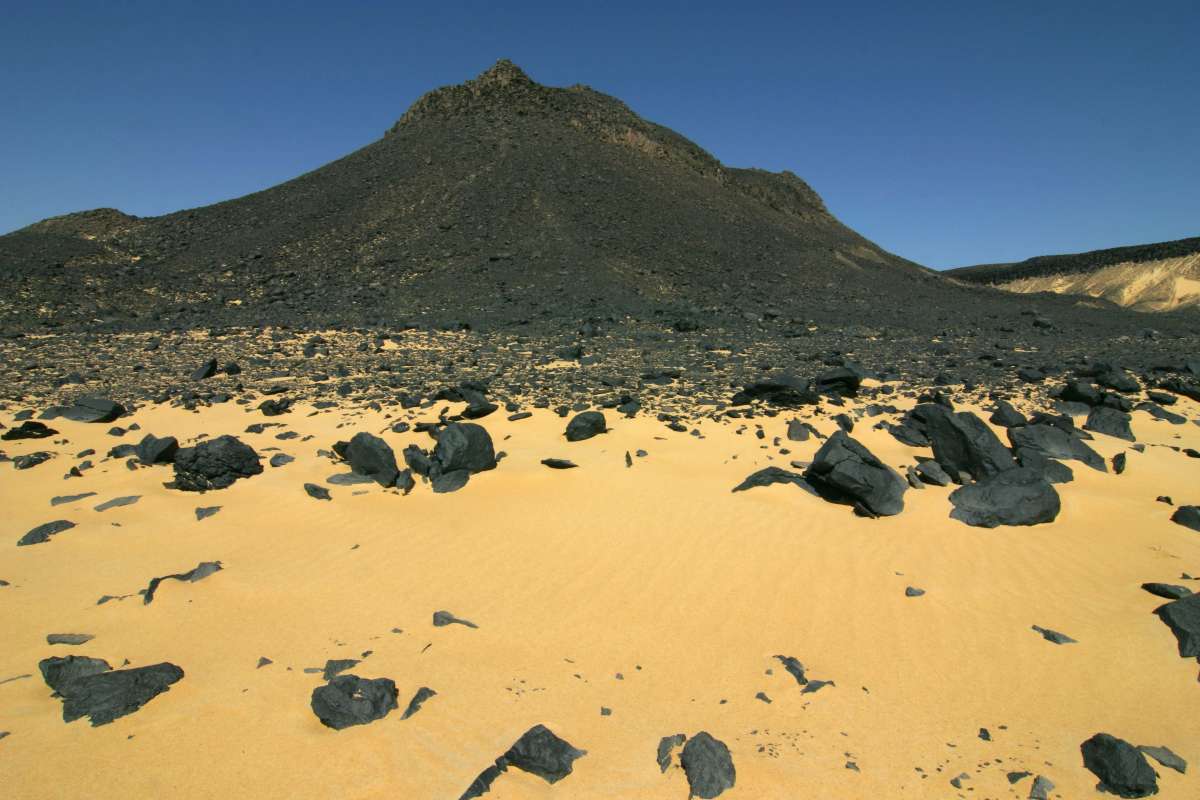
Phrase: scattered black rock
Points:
(273, 408)
(336, 666)
(794, 668)
(585, 426)
(153, 450)
(69, 498)
(349, 700)
(57, 671)
(279, 459)
(931, 472)
(93, 409)
(1183, 618)
(42, 533)
(1166, 757)
(118, 502)
(1018, 496)
(559, 463)
(1187, 516)
(912, 591)
(444, 482)
(464, 446)
(205, 370)
(665, 745)
(845, 471)
(443, 618)
(1121, 768)
(30, 429)
(1006, 416)
(206, 512)
(708, 766)
(1054, 441)
(1041, 788)
(317, 492)
(1169, 591)
(69, 638)
(199, 572)
(215, 464)
(772, 475)
(89, 689)
(1054, 636)
(414, 705)
(538, 752)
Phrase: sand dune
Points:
(651, 590)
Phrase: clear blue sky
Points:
(950, 133)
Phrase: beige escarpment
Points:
(1164, 285)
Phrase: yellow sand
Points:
(657, 572)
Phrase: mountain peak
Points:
(503, 73)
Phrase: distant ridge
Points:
(1164, 276)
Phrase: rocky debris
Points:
(1168, 591)
(844, 471)
(205, 370)
(199, 572)
(418, 699)
(1183, 618)
(29, 429)
(371, 456)
(69, 638)
(205, 512)
(1054, 636)
(349, 700)
(89, 689)
(539, 752)
(708, 766)
(31, 460)
(1187, 516)
(43, 532)
(92, 409)
(443, 618)
(1166, 757)
(317, 492)
(1018, 496)
(118, 502)
(964, 445)
(153, 450)
(665, 746)
(215, 464)
(585, 426)
(1053, 441)
(772, 475)
(559, 463)
(1109, 421)
(1120, 766)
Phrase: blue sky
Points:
(950, 133)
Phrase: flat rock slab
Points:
(205, 512)
(42, 533)
(199, 572)
(559, 463)
(1018, 496)
(1165, 756)
(418, 699)
(769, 476)
(1054, 636)
(117, 502)
(106, 696)
(68, 638)
(29, 429)
(93, 409)
(349, 700)
(63, 499)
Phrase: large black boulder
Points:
(1187, 516)
(539, 752)
(1121, 767)
(1110, 421)
(1018, 496)
(29, 429)
(350, 700)
(845, 471)
(964, 445)
(107, 695)
(1183, 618)
(93, 409)
(464, 446)
(153, 450)
(215, 464)
(585, 426)
(1054, 441)
(708, 766)
(369, 455)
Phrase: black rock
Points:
(105, 696)
(585, 426)
(794, 668)
(665, 745)
(215, 464)
(1119, 461)
(463, 446)
(317, 492)
(418, 699)
(405, 481)
(58, 672)
(1168, 591)
(912, 591)
(1053, 636)
(845, 471)
(350, 700)
(30, 460)
(369, 455)
(1082, 392)
(785, 391)
(279, 459)
(205, 370)
(43, 532)
(153, 450)
(117, 502)
(445, 482)
(559, 463)
(1006, 416)
(69, 638)
(199, 572)
(1110, 421)
(93, 409)
(538, 752)
(1187, 516)
(335, 666)
(1120, 766)
(30, 429)
(963, 444)
(708, 766)
(932, 472)
(1041, 788)
(1018, 496)
(206, 511)
(1053, 471)
(274, 408)
(1183, 618)
(842, 381)
(443, 618)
